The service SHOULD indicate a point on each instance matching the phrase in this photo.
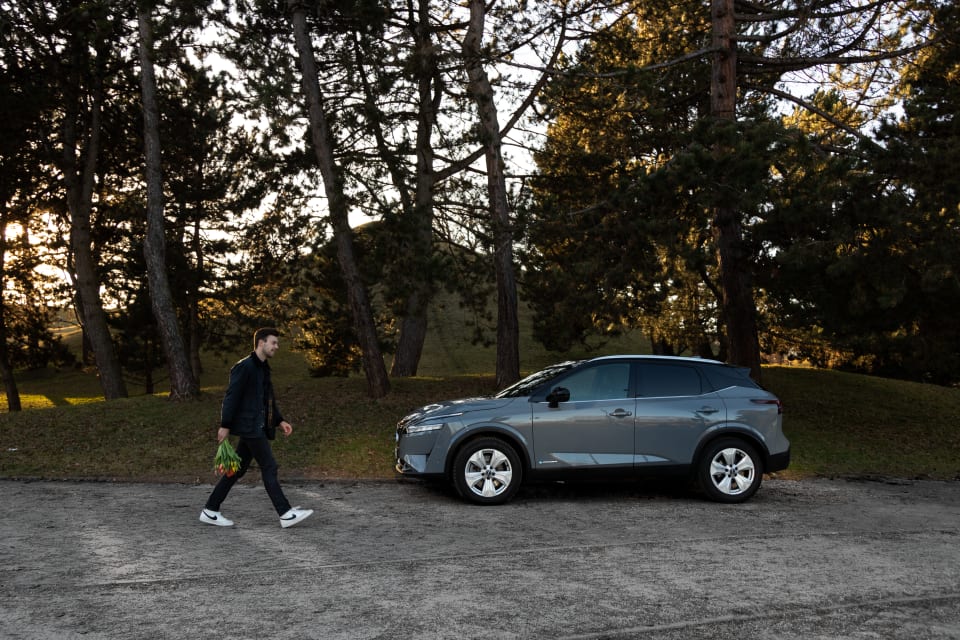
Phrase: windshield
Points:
(532, 382)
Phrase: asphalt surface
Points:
(803, 559)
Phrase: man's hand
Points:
(286, 428)
(222, 434)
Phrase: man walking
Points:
(250, 412)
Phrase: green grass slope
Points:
(843, 424)
(839, 424)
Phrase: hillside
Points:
(839, 423)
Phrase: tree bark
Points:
(413, 327)
(376, 372)
(194, 336)
(508, 323)
(183, 384)
(6, 373)
(79, 188)
(6, 370)
(738, 308)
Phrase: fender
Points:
(734, 430)
(520, 443)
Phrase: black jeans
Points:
(252, 449)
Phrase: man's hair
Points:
(262, 334)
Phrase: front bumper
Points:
(411, 465)
(413, 451)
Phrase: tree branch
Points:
(804, 62)
(817, 110)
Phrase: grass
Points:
(839, 424)
(339, 432)
(842, 424)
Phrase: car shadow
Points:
(642, 489)
(582, 490)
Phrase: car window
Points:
(602, 382)
(722, 376)
(532, 382)
(666, 380)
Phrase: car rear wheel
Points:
(730, 470)
(487, 471)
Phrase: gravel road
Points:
(804, 559)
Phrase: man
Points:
(249, 411)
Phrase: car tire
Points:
(487, 471)
(730, 470)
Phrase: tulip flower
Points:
(226, 462)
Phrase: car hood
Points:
(454, 407)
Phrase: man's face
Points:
(269, 346)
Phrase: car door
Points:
(674, 408)
(594, 429)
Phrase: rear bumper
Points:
(778, 461)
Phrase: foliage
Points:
(326, 331)
(922, 152)
(864, 276)
(620, 222)
(31, 342)
(848, 254)
(849, 242)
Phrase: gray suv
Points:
(629, 415)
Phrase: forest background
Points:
(751, 181)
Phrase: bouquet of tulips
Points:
(226, 462)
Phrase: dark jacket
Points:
(249, 400)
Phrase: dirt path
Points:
(807, 559)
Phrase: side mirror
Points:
(558, 395)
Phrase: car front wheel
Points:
(730, 470)
(487, 471)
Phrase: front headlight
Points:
(431, 423)
(423, 428)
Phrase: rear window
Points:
(723, 376)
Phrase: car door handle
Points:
(707, 410)
(620, 413)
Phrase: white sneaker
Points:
(215, 518)
(294, 516)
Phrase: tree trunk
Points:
(508, 323)
(413, 327)
(183, 384)
(377, 381)
(6, 371)
(79, 190)
(194, 336)
(413, 333)
(738, 308)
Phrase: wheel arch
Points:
(511, 437)
(740, 433)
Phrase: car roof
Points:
(631, 356)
